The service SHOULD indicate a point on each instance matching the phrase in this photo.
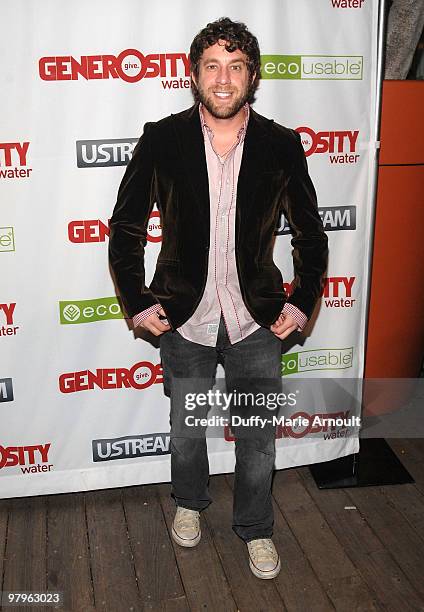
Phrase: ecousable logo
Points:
(337, 291)
(334, 218)
(140, 376)
(31, 458)
(101, 153)
(13, 160)
(6, 390)
(95, 230)
(130, 66)
(316, 67)
(7, 239)
(89, 311)
(130, 447)
(317, 359)
(8, 329)
(340, 145)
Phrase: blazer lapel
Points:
(253, 163)
(191, 144)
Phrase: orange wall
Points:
(395, 342)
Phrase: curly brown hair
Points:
(237, 36)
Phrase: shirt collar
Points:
(242, 131)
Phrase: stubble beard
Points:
(222, 112)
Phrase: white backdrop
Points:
(77, 88)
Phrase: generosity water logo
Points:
(317, 359)
(89, 311)
(319, 67)
(14, 160)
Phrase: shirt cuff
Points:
(139, 318)
(300, 317)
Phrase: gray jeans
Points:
(245, 363)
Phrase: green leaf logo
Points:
(71, 312)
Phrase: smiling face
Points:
(223, 82)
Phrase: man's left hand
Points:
(284, 326)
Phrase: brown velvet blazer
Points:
(168, 166)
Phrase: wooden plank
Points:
(203, 577)
(171, 605)
(403, 542)
(342, 582)
(112, 565)
(297, 583)
(68, 558)
(25, 559)
(249, 592)
(409, 501)
(375, 564)
(411, 456)
(155, 563)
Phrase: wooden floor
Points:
(111, 550)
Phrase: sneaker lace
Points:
(262, 550)
(186, 517)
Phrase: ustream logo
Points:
(321, 67)
(334, 218)
(100, 153)
(89, 311)
(131, 447)
(317, 359)
(6, 390)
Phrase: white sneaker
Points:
(264, 559)
(186, 527)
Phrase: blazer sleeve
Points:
(128, 227)
(309, 241)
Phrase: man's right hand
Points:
(154, 325)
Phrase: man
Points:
(221, 175)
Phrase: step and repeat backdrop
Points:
(82, 403)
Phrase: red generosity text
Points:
(95, 230)
(142, 375)
(130, 65)
(11, 456)
(9, 329)
(343, 141)
(14, 154)
(337, 291)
